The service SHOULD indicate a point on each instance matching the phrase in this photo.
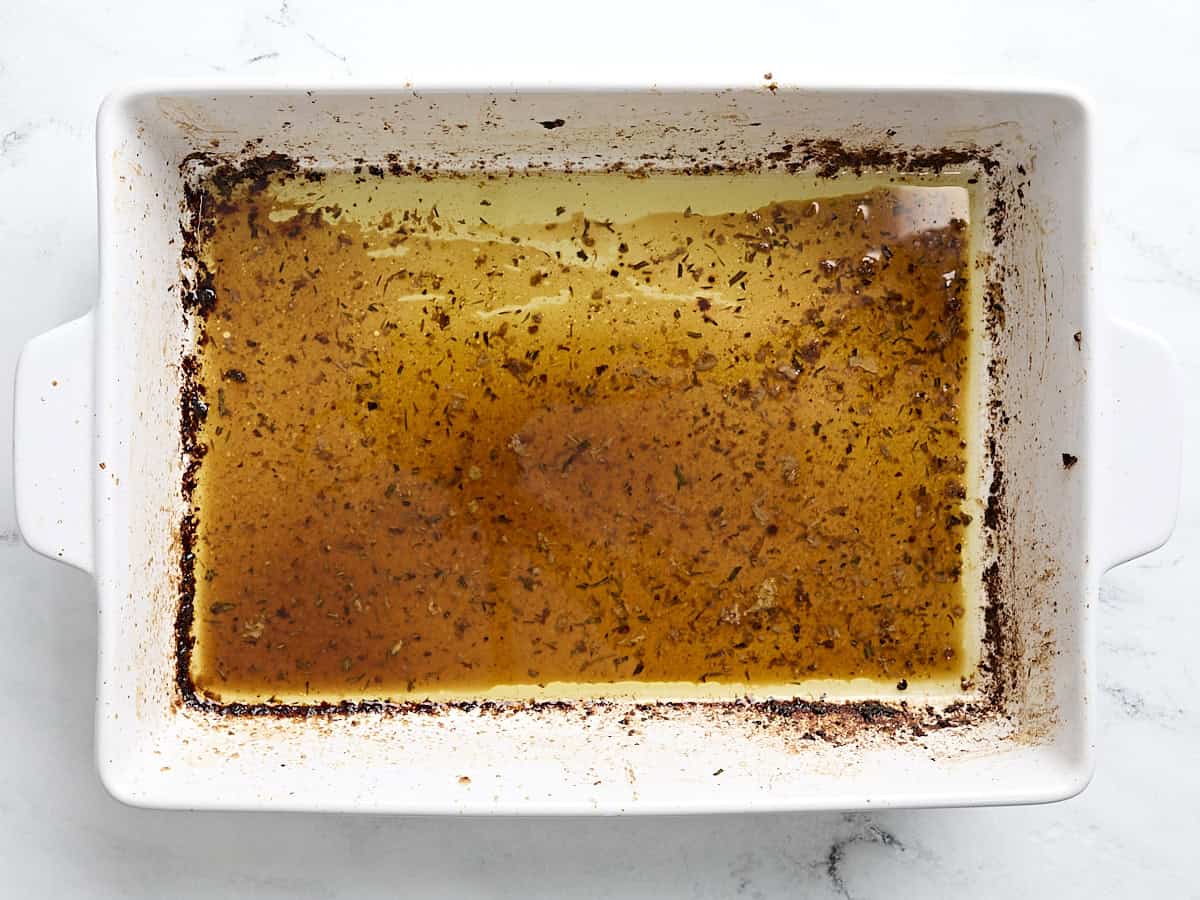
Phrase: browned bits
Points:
(449, 455)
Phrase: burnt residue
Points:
(193, 411)
(828, 722)
(997, 217)
(254, 172)
(198, 299)
(997, 661)
(993, 513)
(995, 634)
(828, 158)
(993, 308)
(197, 293)
(831, 157)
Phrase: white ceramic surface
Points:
(1128, 832)
(1072, 381)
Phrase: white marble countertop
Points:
(1133, 832)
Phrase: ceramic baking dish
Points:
(1078, 445)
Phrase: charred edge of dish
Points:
(1000, 660)
(832, 157)
(823, 720)
(191, 418)
(1000, 663)
(197, 298)
(254, 172)
(829, 158)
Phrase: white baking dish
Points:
(98, 464)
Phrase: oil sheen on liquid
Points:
(469, 434)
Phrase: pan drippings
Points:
(475, 432)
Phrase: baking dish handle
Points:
(1141, 406)
(53, 459)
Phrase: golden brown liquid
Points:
(530, 445)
